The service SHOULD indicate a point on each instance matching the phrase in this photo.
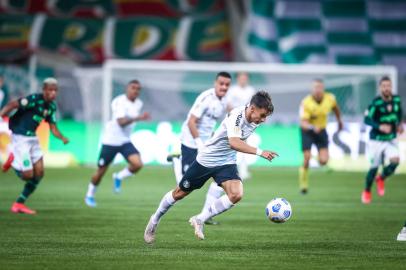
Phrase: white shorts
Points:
(381, 150)
(26, 150)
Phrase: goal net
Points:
(169, 88)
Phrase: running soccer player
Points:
(217, 159)
(200, 123)
(384, 115)
(314, 111)
(240, 95)
(28, 158)
(126, 110)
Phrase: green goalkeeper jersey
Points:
(31, 111)
(383, 112)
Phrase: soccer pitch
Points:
(329, 229)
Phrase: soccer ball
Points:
(278, 210)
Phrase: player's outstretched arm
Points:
(57, 133)
(12, 105)
(241, 146)
(124, 121)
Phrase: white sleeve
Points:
(117, 109)
(200, 107)
(233, 125)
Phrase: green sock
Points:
(29, 188)
(370, 178)
(389, 170)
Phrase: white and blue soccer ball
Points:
(278, 210)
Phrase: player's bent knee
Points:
(27, 175)
(179, 194)
(235, 197)
(395, 161)
(323, 161)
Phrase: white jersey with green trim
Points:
(217, 150)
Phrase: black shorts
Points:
(197, 175)
(108, 152)
(188, 156)
(309, 137)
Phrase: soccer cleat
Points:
(170, 157)
(402, 235)
(90, 201)
(198, 225)
(150, 230)
(21, 208)
(7, 165)
(211, 221)
(116, 183)
(366, 197)
(380, 185)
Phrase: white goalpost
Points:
(168, 84)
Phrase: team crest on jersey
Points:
(186, 184)
(24, 102)
(389, 107)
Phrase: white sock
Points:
(213, 194)
(124, 173)
(91, 190)
(219, 206)
(166, 203)
(177, 168)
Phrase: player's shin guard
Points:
(213, 194)
(166, 203)
(29, 188)
(389, 170)
(219, 206)
(370, 178)
(303, 178)
(177, 168)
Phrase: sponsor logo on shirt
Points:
(238, 121)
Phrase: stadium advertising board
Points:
(348, 149)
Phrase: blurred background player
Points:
(384, 115)
(198, 127)
(239, 95)
(126, 110)
(28, 158)
(217, 159)
(314, 111)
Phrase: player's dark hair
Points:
(223, 74)
(262, 100)
(133, 81)
(384, 78)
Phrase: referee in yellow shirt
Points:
(314, 111)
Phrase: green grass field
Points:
(329, 229)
